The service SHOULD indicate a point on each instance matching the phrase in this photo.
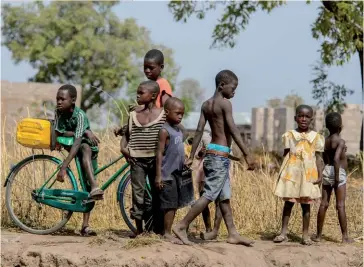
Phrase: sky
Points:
(273, 56)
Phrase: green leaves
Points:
(329, 95)
(82, 43)
(234, 19)
(339, 25)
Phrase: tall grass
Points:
(257, 212)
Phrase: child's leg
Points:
(196, 209)
(206, 216)
(88, 169)
(325, 201)
(158, 216)
(138, 181)
(340, 193)
(233, 235)
(217, 222)
(287, 209)
(85, 230)
(306, 223)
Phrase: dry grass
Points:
(257, 211)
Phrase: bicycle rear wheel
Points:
(125, 203)
(26, 213)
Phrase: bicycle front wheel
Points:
(31, 216)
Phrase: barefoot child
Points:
(70, 121)
(138, 145)
(170, 159)
(301, 171)
(210, 233)
(218, 112)
(334, 176)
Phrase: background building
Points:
(269, 124)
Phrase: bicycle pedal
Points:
(90, 200)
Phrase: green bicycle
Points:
(61, 201)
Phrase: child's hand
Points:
(318, 182)
(118, 132)
(188, 162)
(93, 138)
(61, 174)
(251, 163)
(158, 183)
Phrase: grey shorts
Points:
(328, 177)
(217, 180)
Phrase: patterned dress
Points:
(299, 170)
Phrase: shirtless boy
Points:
(334, 176)
(218, 112)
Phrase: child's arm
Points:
(162, 139)
(227, 109)
(124, 143)
(79, 132)
(338, 152)
(197, 137)
(320, 167)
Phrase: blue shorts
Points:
(218, 148)
(217, 180)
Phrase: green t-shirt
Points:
(77, 123)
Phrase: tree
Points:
(339, 24)
(82, 43)
(191, 93)
(329, 95)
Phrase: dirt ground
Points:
(115, 249)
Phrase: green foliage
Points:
(234, 19)
(82, 43)
(340, 26)
(329, 95)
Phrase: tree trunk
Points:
(360, 51)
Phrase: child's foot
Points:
(96, 194)
(306, 242)
(239, 240)
(208, 235)
(181, 233)
(316, 238)
(347, 240)
(86, 231)
(172, 239)
(280, 238)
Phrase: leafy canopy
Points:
(83, 43)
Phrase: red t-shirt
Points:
(165, 88)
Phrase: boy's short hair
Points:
(300, 107)
(153, 85)
(155, 55)
(333, 121)
(71, 90)
(172, 102)
(225, 76)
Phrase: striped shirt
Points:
(143, 138)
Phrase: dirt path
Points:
(20, 249)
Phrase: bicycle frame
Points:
(78, 200)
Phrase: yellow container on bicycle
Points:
(36, 133)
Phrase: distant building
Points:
(241, 119)
(269, 124)
(21, 100)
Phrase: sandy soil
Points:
(114, 249)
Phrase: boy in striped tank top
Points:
(138, 145)
(170, 158)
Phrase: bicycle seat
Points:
(65, 141)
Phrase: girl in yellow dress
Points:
(301, 172)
